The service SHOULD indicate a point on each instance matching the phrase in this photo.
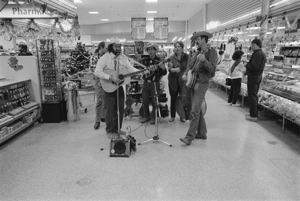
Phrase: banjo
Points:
(191, 74)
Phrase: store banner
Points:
(138, 28)
(161, 28)
(28, 12)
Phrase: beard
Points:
(116, 52)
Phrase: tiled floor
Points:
(240, 160)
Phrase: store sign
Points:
(15, 12)
(138, 28)
(161, 28)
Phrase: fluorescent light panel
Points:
(152, 11)
(105, 20)
(151, 1)
(78, 1)
(93, 12)
(150, 19)
(249, 14)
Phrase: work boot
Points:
(201, 136)
(186, 140)
(97, 125)
(249, 118)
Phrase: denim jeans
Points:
(173, 95)
(100, 104)
(234, 90)
(111, 118)
(253, 87)
(197, 122)
(148, 96)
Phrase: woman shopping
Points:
(177, 66)
(236, 73)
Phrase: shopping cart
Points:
(86, 90)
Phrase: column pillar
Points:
(264, 20)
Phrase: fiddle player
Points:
(206, 60)
(148, 91)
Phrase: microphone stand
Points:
(118, 101)
(156, 137)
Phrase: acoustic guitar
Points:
(124, 77)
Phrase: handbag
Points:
(228, 82)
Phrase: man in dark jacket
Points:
(254, 70)
(23, 50)
(151, 82)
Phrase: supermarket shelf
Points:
(18, 116)
(18, 131)
(5, 83)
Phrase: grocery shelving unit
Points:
(18, 112)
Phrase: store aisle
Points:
(240, 160)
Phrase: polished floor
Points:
(240, 160)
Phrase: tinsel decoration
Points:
(23, 3)
(32, 27)
(284, 17)
(233, 39)
(274, 30)
(43, 8)
(294, 23)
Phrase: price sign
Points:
(161, 28)
(138, 28)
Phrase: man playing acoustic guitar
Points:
(113, 61)
(203, 65)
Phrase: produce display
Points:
(280, 105)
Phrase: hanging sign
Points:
(138, 28)
(16, 12)
(161, 28)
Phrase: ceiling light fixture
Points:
(151, 1)
(152, 11)
(78, 1)
(104, 20)
(247, 15)
(150, 19)
(94, 12)
(180, 39)
(174, 38)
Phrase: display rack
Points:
(48, 54)
(17, 112)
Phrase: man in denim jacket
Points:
(208, 58)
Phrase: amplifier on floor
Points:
(119, 148)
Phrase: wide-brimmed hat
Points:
(152, 45)
(22, 44)
(113, 41)
(201, 33)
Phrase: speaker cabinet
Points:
(119, 148)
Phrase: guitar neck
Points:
(134, 73)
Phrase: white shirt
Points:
(238, 72)
(107, 61)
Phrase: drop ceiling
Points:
(124, 10)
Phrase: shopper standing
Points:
(112, 61)
(100, 104)
(254, 70)
(235, 74)
(23, 50)
(151, 82)
(206, 61)
(177, 66)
